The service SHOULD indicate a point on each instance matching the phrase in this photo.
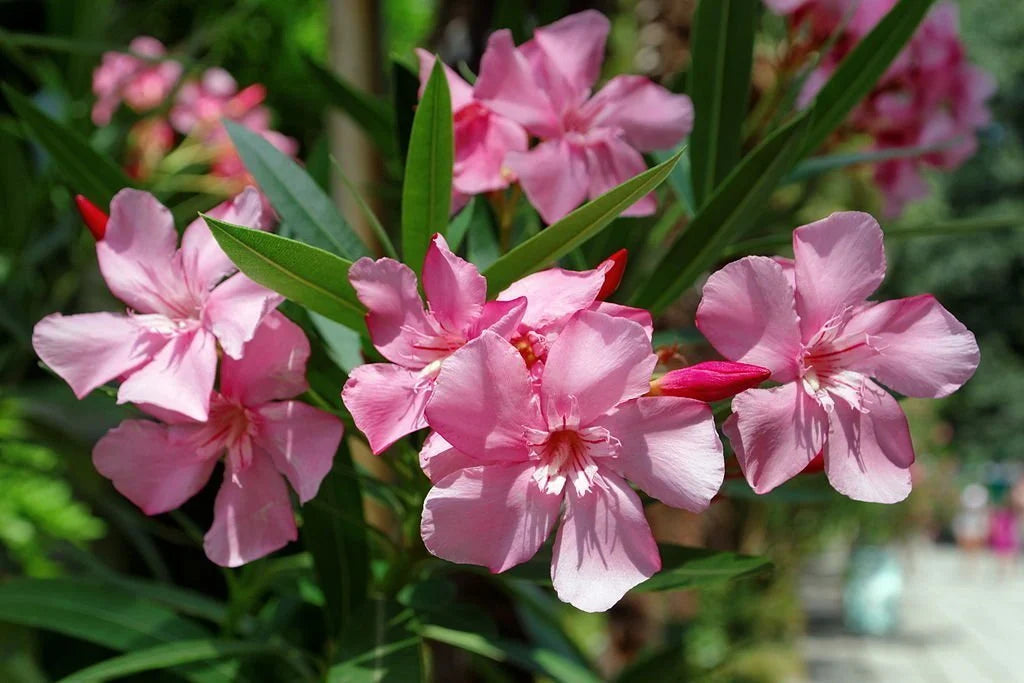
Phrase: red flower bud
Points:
(710, 381)
(613, 267)
(93, 216)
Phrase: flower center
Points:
(231, 427)
(834, 364)
(568, 452)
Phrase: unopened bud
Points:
(93, 216)
(710, 381)
(613, 267)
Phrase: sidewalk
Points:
(962, 622)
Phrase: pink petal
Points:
(482, 140)
(149, 468)
(91, 349)
(612, 162)
(461, 92)
(747, 313)
(302, 441)
(179, 377)
(604, 546)
(495, 516)
(386, 402)
(252, 516)
(455, 289)
(202, 259)
(840, 261)
(235, 309)
(396, 319)
(640, 316)
(553, 175)
(137, 254)
(500, 317)
(670, 449)
(574, 46)
(649, 116)
(923, 350)
(554, 294)
(483, 400)
(601, 361)
(775, 433)
(438, 458)
(507, 86)
(273, 367)
(868, 456)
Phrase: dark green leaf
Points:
(683, 567)
(816, 166)
(304, 208)
(87, 171)
(730, 212)
(377, 647)
(723, 49)
(560, 238)
(460, 223)
(427, 187)
(680, 180)
(308, 276)
(167, 656)
(405, 85)
(370, 113)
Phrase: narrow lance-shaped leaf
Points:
(308, 276)
(427, 187)
(558, 239)
(723, 49)
(87, 171)
(304, 208)
(684, 567)
(729, 213)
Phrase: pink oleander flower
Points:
(263, 438)
(589, 144)
(482, 138)
(141, 84)
(387, 399)
(808, 322)
(181, 304)
(509, 455)
(149, 141)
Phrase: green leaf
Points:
(87, 171)
(558, 239)
(370, 113)
(723, 50)
(680, 180)
(460, 223)
(333, 533)
(167, 656)
(730, 212)
(308, 276)
(304, 208)
(683, 567)
(377, 647)
(427, 187)
(815, 166)
(405, 87)
(532, 658)
(860, 70)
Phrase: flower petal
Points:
(840, 261)
(455, 289)
(235, 309)
(553, 175)
(495, 516)
(252, 516)
(574, 46)
(507, 86)
(775, 433)
(641, 316)
(554, 294)
(670, 449)
(91, 349)
(483, 400)
(202, 259)
(500, 317)
(438, 458)
(386, 402)
(601, 361)
(604, 546)
(302, 441)
(148, 467)
(460, 91)
(868, 456)
(179, 377)
(649, 116)
(747, 313)
(482, 139)
(612, 162)
(273, 367)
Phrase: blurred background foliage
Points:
(53, 506)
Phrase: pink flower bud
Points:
(93, 216)
(710, 381)
(613, 267)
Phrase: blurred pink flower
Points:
(263, 436)
(181, 303)
(149, 141)
(808, 322)
(507, 453)
(139, 83)
(481, 138)
(589, 144)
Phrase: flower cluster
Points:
(587, 142)
(930, 97)
(147, 81)
(187, 307)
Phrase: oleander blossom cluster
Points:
(150, 82)
(542, 90)
(188, 312)
(931, 96)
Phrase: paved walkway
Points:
(962, 622)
